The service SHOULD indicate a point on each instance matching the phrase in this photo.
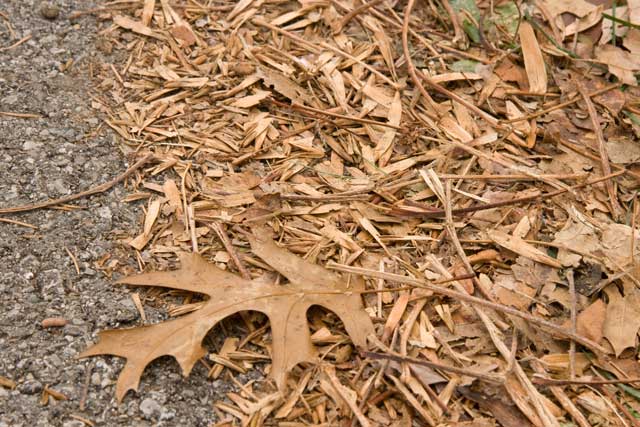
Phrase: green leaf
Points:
(635, 119)
(471, 30)
(464, 66)
(472, 9)
(621, 21)
(507, 17)
(468, 5)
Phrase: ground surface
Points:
(49, 157)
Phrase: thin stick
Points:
(619, 405)
(239, 160)
(222, 234)
(493, 177)
(20, 115)
(16, 44)
(355, 12)
(458, 34)
(634, 213)
(542, 414)
(616, 209)
(90, 192)
(310, 46)
(20, 223)
(336, 115)
(371, 69)
(410, 67)
(561, 105)
(73, 259)
(582, 381)
(439, 213)
(499, 159)
(576, 149)
(574, 325)
(562, 397)
(494, 379)
(85, 385)
(327, 198)
(552, 327)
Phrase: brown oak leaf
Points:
(623, 318)
(285, 305)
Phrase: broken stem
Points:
(90, 192)
(616, 209)
(495, 379)
(440, 213)
(597, 348)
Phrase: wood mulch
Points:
(475, 162)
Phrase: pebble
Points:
(10, 100)
(150, 408)
(30, 387)
(49, 10)
(73, 330)
(105, 213)
(31, 145)
(127, 311)
(95, 379)
(167, 414)
(55, 360)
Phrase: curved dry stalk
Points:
(490, 378)
(355, 12)
(549, 326)
(410, 67)
(90, 192)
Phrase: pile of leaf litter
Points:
(418, 213)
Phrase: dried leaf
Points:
(506, 414)
(135, 26)
(533, 60)
(623, 319)
(623, 151)
(346, 394)
(521, 247)
(285, 306)
(284, 86)
(590, 322)
(622, 64)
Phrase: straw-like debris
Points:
(474, 162)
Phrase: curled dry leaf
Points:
(623, 318)
(519, 246)
(285, 305)
(590, 322)
(533, 60)
(610, 242)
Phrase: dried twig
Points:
(20, 115)
(616, 209)
(562, 397)
(537, 379)
(355, 12)
(560, 105)
(551, 327)
(490, 378)
(224, 238)
(410, 67)
(99, 189)
(440, 213)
